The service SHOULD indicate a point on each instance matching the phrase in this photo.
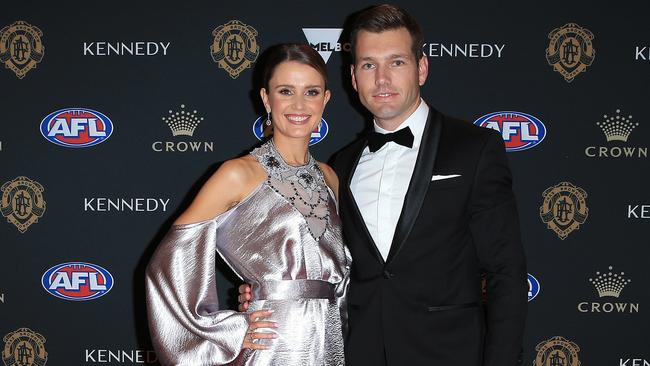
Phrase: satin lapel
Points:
(420, 180)
(355, 214)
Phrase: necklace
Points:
(302, 186)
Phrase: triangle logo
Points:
(323, 40)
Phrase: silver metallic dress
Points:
(285, 240)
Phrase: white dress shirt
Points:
(381, 179)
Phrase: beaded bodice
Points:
(302, 186)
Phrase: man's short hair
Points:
(380, 18)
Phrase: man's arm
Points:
(494, 225)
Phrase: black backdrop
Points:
(136, 91)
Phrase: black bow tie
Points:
(403, 137)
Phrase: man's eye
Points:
(367, 66)
(398, 62)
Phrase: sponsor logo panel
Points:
(77, 281)
(464, 50)
(76, 127)
(21, 47)
(564, 208)
(24, 347)
(617, 128)
(22, 202)
(325, 41)
(520, 131)
(570, 50)
(139, 48)
(533, 287)
(234, 47)
(557, 351)
(140, 204)
(120, 356)
(609, 285)
(183, 123)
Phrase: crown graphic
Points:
(183, 122)
(617, 128)
(609, 284)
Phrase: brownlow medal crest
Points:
(21, 48)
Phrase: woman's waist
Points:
(293, 290)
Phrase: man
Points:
(428, 210)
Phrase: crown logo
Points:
(617, 128)
(609, 284)
(183, 122)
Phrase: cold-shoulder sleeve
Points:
(186, 325)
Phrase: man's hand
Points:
(244, 296)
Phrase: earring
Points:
(268, 118)
(320, 125)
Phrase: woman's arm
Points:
(186, 325)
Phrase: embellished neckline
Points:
(303, 187)
(274, 149)
(308, 176)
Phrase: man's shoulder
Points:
(344, 156)
(353, 148)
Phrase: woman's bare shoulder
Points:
(234, 180)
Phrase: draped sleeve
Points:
(186, 325)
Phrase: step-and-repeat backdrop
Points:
(114, 114)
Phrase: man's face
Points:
(387, 76)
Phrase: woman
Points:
(272, 217)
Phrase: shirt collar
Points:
(416, 122)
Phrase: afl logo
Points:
(76, 127)
(533, 287)
(77, 281)
(260, 130)
(520, 131)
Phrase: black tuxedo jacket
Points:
(422, 306)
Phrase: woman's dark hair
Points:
(297, 52)
(380, 18)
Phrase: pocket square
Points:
(441, 177)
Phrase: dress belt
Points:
(293, 290)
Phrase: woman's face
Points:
(296, 99)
